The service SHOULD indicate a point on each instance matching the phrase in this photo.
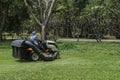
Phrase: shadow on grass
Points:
(24, 61)
(30, 61)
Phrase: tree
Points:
(67, 13)
(95, 16)
(4, 6)
(17, 15)
(113, 11)
(12, 14)
(44, 8)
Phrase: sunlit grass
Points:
(79, 61)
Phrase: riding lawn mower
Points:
(27, 50)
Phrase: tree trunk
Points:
(43, 32)
(2, 24)
(99, 37)
(0, 36)
(78, 38)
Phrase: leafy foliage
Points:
(70, 18)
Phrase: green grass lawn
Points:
(79, 61)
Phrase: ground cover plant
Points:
(79, 61)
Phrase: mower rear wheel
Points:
(35, 57)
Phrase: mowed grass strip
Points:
(79, 61)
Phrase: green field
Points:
(79, 61)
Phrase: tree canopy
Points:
(63, 18)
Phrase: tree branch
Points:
(29, 8)
(41, 10)
(46, 8)
(50, 11)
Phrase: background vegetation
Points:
(70, 18)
